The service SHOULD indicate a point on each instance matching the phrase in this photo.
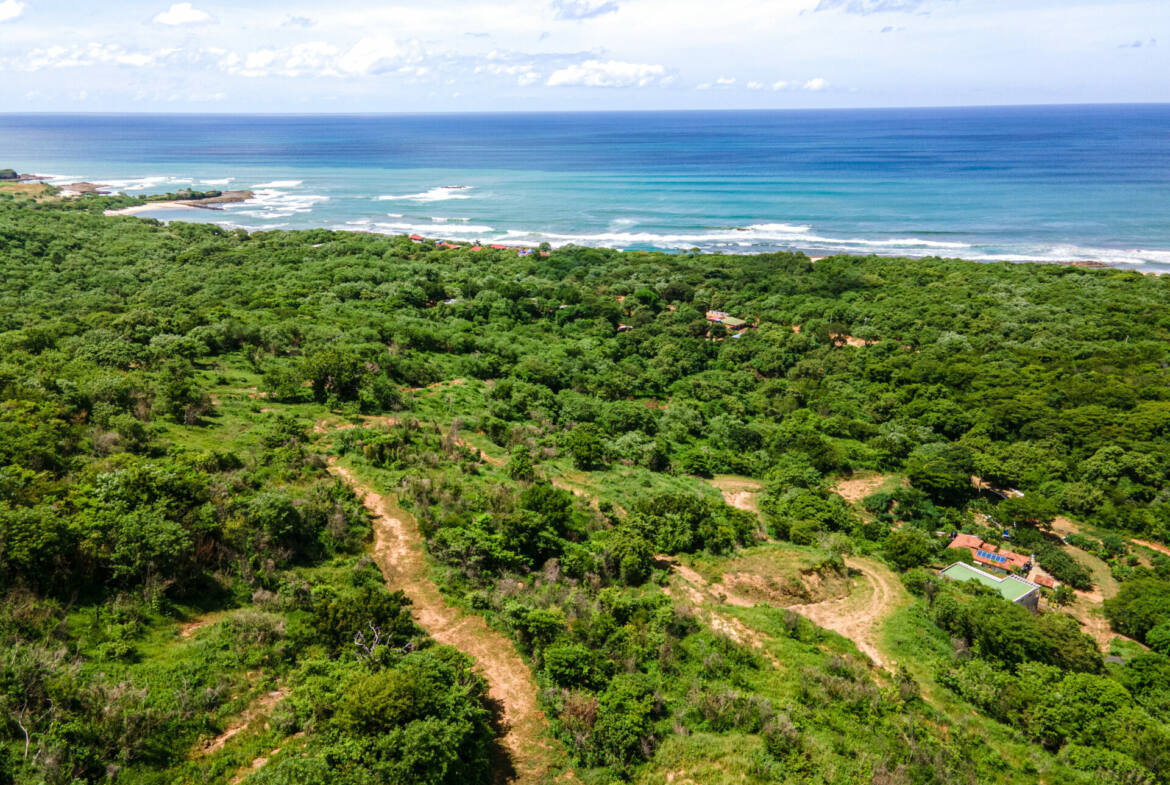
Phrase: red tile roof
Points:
(966, 541)
(1007, 559)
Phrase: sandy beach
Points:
(151, 206)
(207, 203)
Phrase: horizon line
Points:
(147, 113)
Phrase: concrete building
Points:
(1010, 587)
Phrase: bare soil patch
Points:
(856, 488)
(743, 493)
(855, 608)
(694, 591)
(189, 628)
(850, 340)
(859, 615)
(1065, 526)
(330, 424)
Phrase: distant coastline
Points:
(189, 205)
(1020, 184)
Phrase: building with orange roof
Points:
(990, 554)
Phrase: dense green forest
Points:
(194, 592)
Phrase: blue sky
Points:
(472, 55)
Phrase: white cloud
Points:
(372, 55)
(583, 9)
(816, 84)
(866, 7)
(182, 14)
(368, 57)
(607, 73)
(10, 9)
(755, 85)
(726, 81)
(780, 85)
(89, 55)
(524, 73)
(312, 58)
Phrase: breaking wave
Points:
(440, 194)
(279, 184)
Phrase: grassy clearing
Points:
(704, 759)
(770, 561)
(620, 485)
(36, 191)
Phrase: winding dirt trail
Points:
(262, 706)
(399, 552)
(857, 616)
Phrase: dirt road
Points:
(857, 616)
(1153, 546)
(399, 552)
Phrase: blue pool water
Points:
(1019, 183)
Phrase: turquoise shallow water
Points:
(1023, 183)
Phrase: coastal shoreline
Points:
(208, 203)
(814, 256)
(150, 206)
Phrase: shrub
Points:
(1140, 606)
(575, 666)
(909, 547)
(586, 446)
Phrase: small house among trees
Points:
(991, 555)
(1010, 587)
(727, 320)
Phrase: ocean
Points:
(1058, 183)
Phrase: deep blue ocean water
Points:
(1020, 183)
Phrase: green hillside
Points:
(605, 536)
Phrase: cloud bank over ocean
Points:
(154, 55)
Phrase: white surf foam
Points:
(429, 230)
(57, 179)
(279, 184)
(152, 182)
(737, 237)
(275, 203)
(440, 194)
(1076, 253)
